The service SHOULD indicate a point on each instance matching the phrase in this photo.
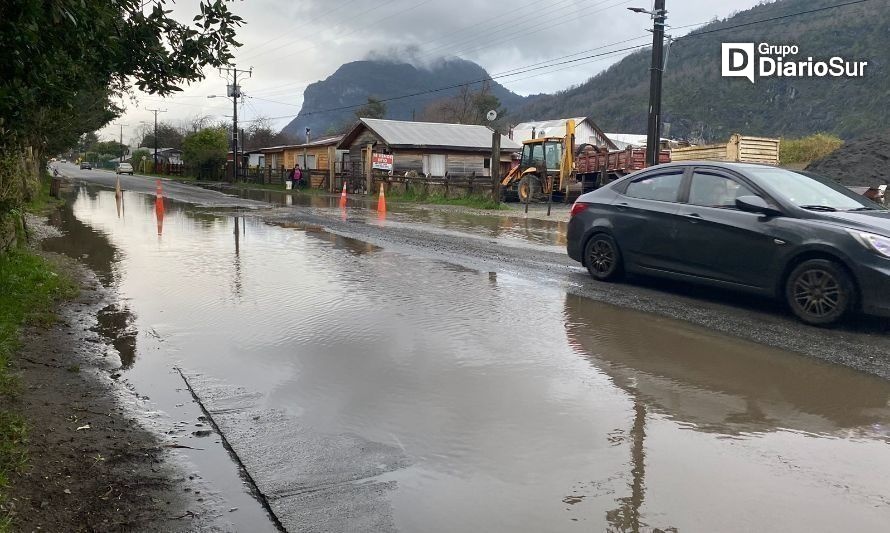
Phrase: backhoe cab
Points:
(546, 167)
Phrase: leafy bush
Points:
(205, 150)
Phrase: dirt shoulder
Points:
(91, 465)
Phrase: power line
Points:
(361, 28)
(455, 86)
(536, 29)
(273, 101)
(576, 60)
(509, 25)
(291, 30)
(781, 17)
(427, 53)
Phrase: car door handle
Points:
(621, 206)
(693, 217)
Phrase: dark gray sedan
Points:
(766, 230)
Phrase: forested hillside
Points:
(700, 104)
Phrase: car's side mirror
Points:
(756, 204)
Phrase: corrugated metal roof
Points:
(403, 133)
(558, 124)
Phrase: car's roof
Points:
(730, 165)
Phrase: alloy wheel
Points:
(602, 257)
(817, 292)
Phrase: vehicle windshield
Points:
(554, 155)
(808, 190)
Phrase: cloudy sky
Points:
(291, 43)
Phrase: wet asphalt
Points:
(536, 251)
(437, 370)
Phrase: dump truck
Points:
(740, 148)
(553, 167)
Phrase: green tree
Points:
(205, 151)
(137, 157)
(373, 109)
(66, 64)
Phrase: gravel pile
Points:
(862, 162)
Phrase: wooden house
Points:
(422, 148)
(317, 154)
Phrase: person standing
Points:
(298, 176)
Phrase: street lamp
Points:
(653, 130)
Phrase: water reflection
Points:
(236, 281)
(546, 232)
(114, 323)
(80, 242)
(720, 384)
(626, 517)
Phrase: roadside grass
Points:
(473, 201)
(278, 187)
(29, 287)
(807, 149)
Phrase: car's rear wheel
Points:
(603, 258)
(820, 292)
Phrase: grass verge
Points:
(473, 201)
(29, 288)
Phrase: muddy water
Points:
(369, 390)
(510, 230)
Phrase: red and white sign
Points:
(382, 161)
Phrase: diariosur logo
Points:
(776, 61)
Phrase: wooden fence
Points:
(449, 186)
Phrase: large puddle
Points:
(506, 228)
(368, 390)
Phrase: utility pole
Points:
(121, 142)
(653, 132)
(156, 111)
(306, 157)
(494, 166)
(234, 92)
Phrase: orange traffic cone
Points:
(159, 213)
(381, 202)
(343, 196)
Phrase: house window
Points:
(302, 163)
(434, 164)
(486, 163)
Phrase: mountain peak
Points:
(353, 83)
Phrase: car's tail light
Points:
(578, 207)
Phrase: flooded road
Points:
(506, 228)
(368, 389)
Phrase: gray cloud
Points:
(291, 44)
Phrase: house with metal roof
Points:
(424, 148)
(586, 131)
